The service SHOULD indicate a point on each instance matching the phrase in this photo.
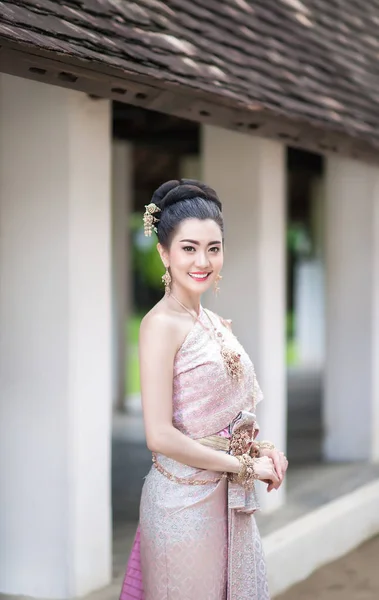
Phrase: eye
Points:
(188, 248)
(215, 249)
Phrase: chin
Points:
(201, 288)
(195, 287)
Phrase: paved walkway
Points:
(352, 577)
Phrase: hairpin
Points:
(149, 219)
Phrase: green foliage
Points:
(146, 260)
(292, 357)
(132, 361)
(298, 239)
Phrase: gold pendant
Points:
(232, 360)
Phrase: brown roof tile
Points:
(311, 60)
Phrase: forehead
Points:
(199, 230)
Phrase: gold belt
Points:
(238, 444)
(212, 441)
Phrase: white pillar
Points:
(122, 173)
(248, 173)
(351, 407)
(55, 343)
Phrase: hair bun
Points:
(160, 193)
(209, 192)
(174, 191)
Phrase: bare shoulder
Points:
(157, 322)
(168, 328)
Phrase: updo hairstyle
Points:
(184, 199)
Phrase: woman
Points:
(197, 538)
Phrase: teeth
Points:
(198, 276)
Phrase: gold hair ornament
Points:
(149, 220)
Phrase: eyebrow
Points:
(198, 244)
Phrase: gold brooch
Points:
(149, 219)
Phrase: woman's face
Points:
(195, 256)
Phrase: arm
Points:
(157, 349)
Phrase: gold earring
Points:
(216, 286)
(166, 279)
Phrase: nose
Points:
(202, 260)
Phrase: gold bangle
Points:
(265, 444)
(246, 475)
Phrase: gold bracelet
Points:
(263, 445)
(246, 475)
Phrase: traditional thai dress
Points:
(200, 541)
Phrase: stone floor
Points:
(352, 577)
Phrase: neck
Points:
(190, 301)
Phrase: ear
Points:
(163, 254)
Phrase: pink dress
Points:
(200, 542)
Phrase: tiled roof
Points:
(315, 61)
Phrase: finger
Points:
(274, 486)
(274, 477)
(284, 462)
(277, 464)
(284, 466)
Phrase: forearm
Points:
(174, 444)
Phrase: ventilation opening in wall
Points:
(37, 70)
(69, 77)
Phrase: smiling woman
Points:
(197, 536)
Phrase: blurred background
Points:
(274, 104)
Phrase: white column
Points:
(351, 407)
(55, 343)
(248, 173)
(122, 173)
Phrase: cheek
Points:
(218, 260)
(181, 261)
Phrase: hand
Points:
(265, 471)
(280, 463)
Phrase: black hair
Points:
(184, 199)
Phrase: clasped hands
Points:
(270, 467)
